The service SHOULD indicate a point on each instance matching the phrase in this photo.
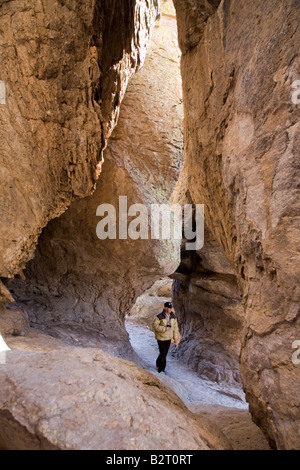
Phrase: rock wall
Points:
(85, 399)
(80, 282)
(242, 162)
(64, 69)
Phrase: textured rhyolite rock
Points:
(242, 162)
(79, 281)
(65, 67)
(83, 399)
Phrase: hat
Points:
(168, 305)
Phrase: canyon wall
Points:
(80, 283)
(64, 70)
(239, 62)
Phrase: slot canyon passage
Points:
(195, 102)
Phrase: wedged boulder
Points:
(151, 302)
(85, 399)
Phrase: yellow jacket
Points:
(159, 326)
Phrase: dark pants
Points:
(163, 351)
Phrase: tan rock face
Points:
(79, 281)
(242, 162)
(87, 399)
(64, 70)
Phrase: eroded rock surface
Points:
(242, 162)
(83, 399)
(65, 67)
(151, 302)
(81, 282)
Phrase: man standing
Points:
(165, 326)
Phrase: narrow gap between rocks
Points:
(216, 402)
